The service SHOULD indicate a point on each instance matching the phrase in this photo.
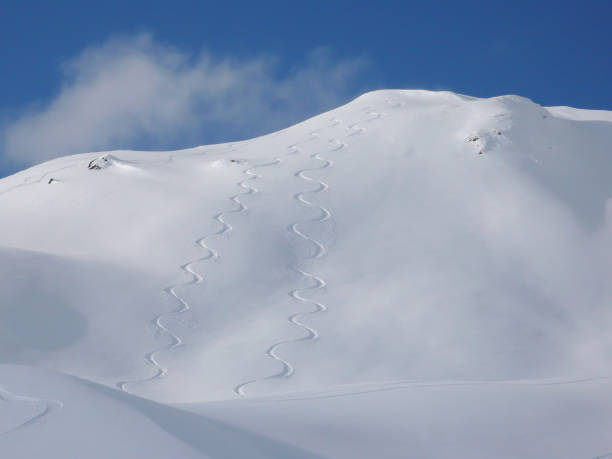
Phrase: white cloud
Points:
(135, 92)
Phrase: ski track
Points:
(196, 278)
(369, 388)
(395, 103)
(320, 251)
(294, 148)
(49, 407)
(28, 180)
(355, 128)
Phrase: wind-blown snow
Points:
(414, 274)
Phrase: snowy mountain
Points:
(414, 274)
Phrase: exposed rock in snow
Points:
(100, 163)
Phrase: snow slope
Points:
(413, 274)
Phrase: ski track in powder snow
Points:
(320, 249)
(49, 407)
(28, 180)
(350, 390)
(196, 278)
(356, 129)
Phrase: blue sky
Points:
(83, 76)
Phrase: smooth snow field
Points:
(412, 275)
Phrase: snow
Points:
(413, 274)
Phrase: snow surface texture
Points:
(414, 274)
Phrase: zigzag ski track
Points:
(196, 278)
